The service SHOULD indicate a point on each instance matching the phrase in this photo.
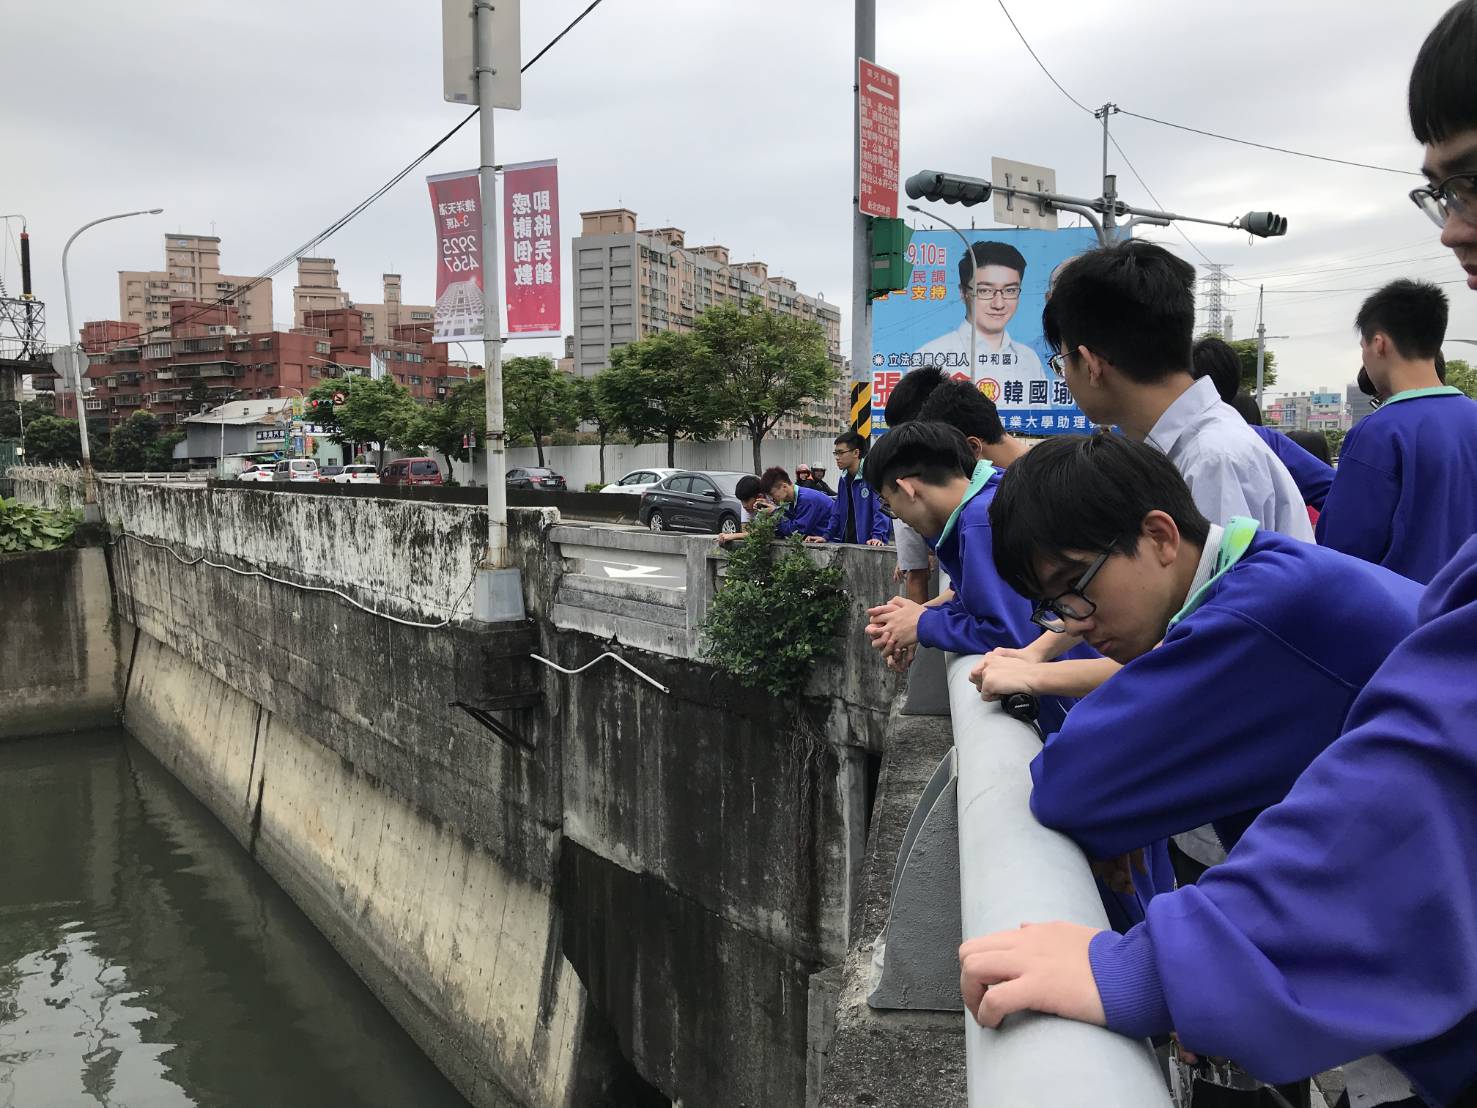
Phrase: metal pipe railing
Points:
(1012, 871)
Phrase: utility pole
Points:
(499, 591)
(861, 251)
(1261, 345)
(1107, 233)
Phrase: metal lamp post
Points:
(74, 341)
(969, 251)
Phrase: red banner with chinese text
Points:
(531, 248)
(457, 206)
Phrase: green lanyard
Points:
(983, 471)
(1234, 543)
(1416, 394)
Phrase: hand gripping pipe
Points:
(1013, 871)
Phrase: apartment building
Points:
(192, 271)
(1323, 410)
(318, 290)
(632, 283)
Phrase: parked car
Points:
(257, 472)
(357, 475)
(296, 469)
(326, 474)
(693, 501)
(411, 471)
(545, 480)
(639, 480)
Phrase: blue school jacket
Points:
(1345, 921)
(865, 509)
(809, 514)
(1404, 494)
(985, 612)
(1217, 722)
(1311, 474)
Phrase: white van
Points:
(296, 469)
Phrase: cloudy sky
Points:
(265, 121)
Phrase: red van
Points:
(411, 471)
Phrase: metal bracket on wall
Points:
(493, 724)
(917, 964)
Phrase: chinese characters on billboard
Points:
(531, 234)
(457, 206)
(929, 324)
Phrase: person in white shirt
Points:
(1123, 319)
(993, 272)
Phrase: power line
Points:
(1376, 288)
(1038, 61)
(344, 220)
(1145, 186)
(1266, 146)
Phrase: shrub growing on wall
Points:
(776, 614)
(26, 527)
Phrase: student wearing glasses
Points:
(990, 278)
(1242, 649)
(1405, 493)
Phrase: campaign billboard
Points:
(928, 323)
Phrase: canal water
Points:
(147, 962)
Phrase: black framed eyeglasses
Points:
(1058, 363)
(1454, 195)
(984, 292)
(1052, 614)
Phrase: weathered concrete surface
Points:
(462, 950)
(59, 653)
(893, 1059)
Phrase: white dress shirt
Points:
(1230, 470)
(1014, 361)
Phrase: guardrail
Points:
(973, 841)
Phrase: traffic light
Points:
(1264, 225)
(890, 266)
(948, 187)
(322, 410)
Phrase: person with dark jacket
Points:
(856, 516)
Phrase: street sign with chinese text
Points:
(878, 115)
(531, 248)
(457, 206)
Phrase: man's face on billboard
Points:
(997, 294)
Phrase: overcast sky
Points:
(265, 121)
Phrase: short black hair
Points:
(1132, 303)
(1412, 313)
(1247, 408)
(1441, 367)
(747, 488)
(853, 440)
(932, 452)
(986, 253)
(960, 404)
(774, 475)
(1443, 82)
(1314, 442)
(907, 396)
(1084, 493)
(1217, 359)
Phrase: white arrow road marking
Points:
(632, 570)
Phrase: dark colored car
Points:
(411, 471)
(692, 501)
(527, 477)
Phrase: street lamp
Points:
(969, 251)
(74, 338)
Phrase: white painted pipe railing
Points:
(1013, 871)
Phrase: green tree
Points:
(1458, 374)
(659, 389)
(594, 405)
(1335, 437)
(537, 399)
(162, 454)
(1246, 351)
(463, 411)
(12, 416)
(374, 409)
(132, 445)
(768, 365)
(49, 439)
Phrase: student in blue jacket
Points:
(1405, 496)
(1343, 924)
(802, 511)
(855, 517)
(1242, 649)
(1215, 358)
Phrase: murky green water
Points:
(147, 962)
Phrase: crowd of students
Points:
(1266, 734)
